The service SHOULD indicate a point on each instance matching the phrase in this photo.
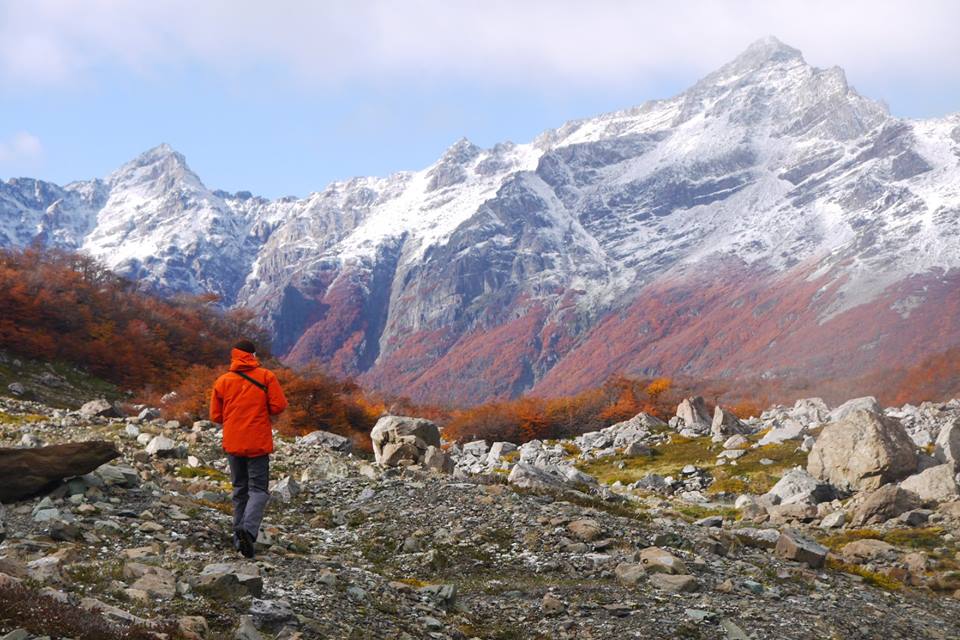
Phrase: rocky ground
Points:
(639, 531)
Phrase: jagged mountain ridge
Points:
(763, 212)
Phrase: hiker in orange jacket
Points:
(244, 400)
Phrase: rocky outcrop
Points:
(29, 472)
(693, 417)
(399, 441)
(864, 450)
(725, 424)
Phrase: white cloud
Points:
(21, 148)
(490, 42)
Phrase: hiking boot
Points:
(246, 544)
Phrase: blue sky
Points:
(282, 99)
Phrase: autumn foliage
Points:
(531, 418)
(63, 306)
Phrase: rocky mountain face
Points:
(805, 522)
(769, 221)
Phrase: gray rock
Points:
(436, 459)
(693, 415)
(149, 413)
(674, 583)
(798, 486)
(285, 489)
(3, 526)
(866, 403)
(657, 560)
(476, 448)
(790, 429)
(99, 408)
(498, 450)
(17, 389)
(528, 476)
(793, 546)
(246, 630)
(410, 437)
(116, 475)
(884, 504)
(833, 520)
(864, 450)
(162, 447)
(726, 424)
(935, 484)
(271, 615)
(629, 574)
(947, 446)
(327, 440)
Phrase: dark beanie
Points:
(245, 345)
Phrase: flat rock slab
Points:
(25, 473)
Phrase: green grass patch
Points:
(873, 578)
(836, 541)
(693, 512)
(925, 539)
(750, 476)
(75, 387)
(202, 472)
(747, 476)
(20, 419)
(667, 459)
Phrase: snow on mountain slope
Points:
(518, 266)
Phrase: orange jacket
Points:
(244, 409)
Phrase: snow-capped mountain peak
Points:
(591, 250)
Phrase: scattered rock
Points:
(674, 583)
(657, 560)
(794, 546)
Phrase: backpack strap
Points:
(255, 383)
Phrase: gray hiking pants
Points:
(251, 492)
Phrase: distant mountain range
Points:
(769, 221)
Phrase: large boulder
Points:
(935, 484)
(886, 503)
(408, 438)
(866, 403)
(864, 450)
(693, 416)
(947, 446)
(29, 472)
(726, 424)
